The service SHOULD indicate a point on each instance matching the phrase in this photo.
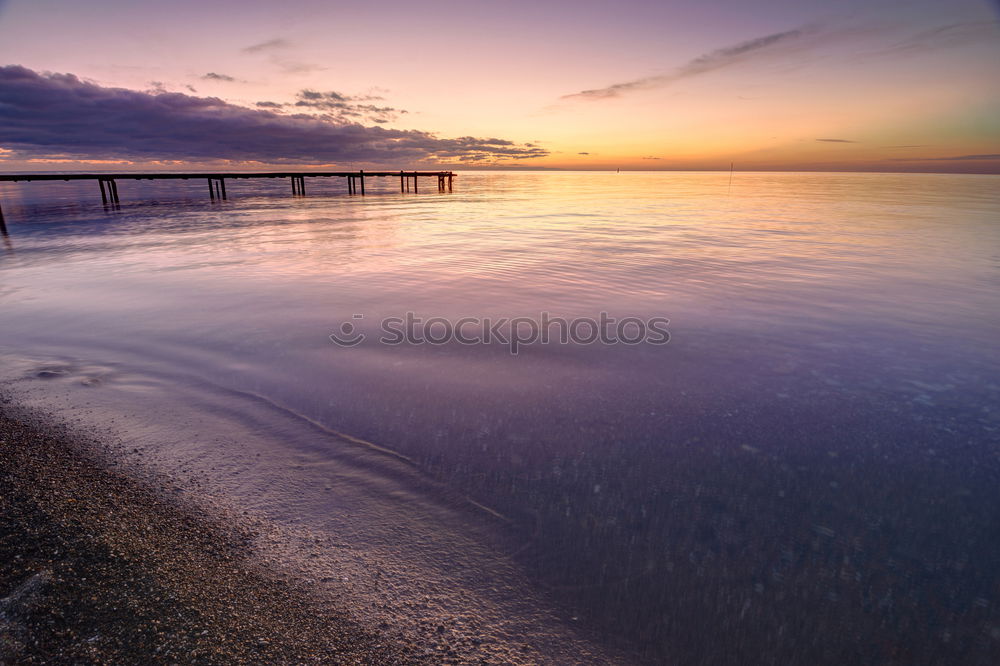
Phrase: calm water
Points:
(806, 473)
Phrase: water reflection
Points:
(809, 468)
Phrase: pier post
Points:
(222, 184)
(415, 190)
(104, 196)
(4, 234)
(362, 182)
(402, 187)
(450, 176)
(114, 191)
(211, 189)
(302, 185)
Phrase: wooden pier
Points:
(108, 182)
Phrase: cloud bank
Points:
(61, 116)
(724, 57)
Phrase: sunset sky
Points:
(678, 84)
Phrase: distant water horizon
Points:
(810, 466)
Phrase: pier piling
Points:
(107, 183)
(217, 189)
(109, 191)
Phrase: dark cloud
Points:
(836, 140)
(270, 105)
(58, 115)
(344, 108)
(652, 158)
(724, 57)
(213, 76)
(269, 45)
(583, 153)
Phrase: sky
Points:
(883, 85)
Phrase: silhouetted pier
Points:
(108, 182)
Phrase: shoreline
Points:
(400, 569)
(97, 567)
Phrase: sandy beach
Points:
(104, 559)
(97, 568)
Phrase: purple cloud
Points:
(345, 108)
(269, 45)
(943, 37)
(58, 115)
(724, 57)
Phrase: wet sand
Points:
(97, 568)
(106, 560)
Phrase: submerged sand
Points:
(104, 562)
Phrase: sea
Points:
(563, 417)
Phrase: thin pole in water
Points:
(730, 179)
(3, 233)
